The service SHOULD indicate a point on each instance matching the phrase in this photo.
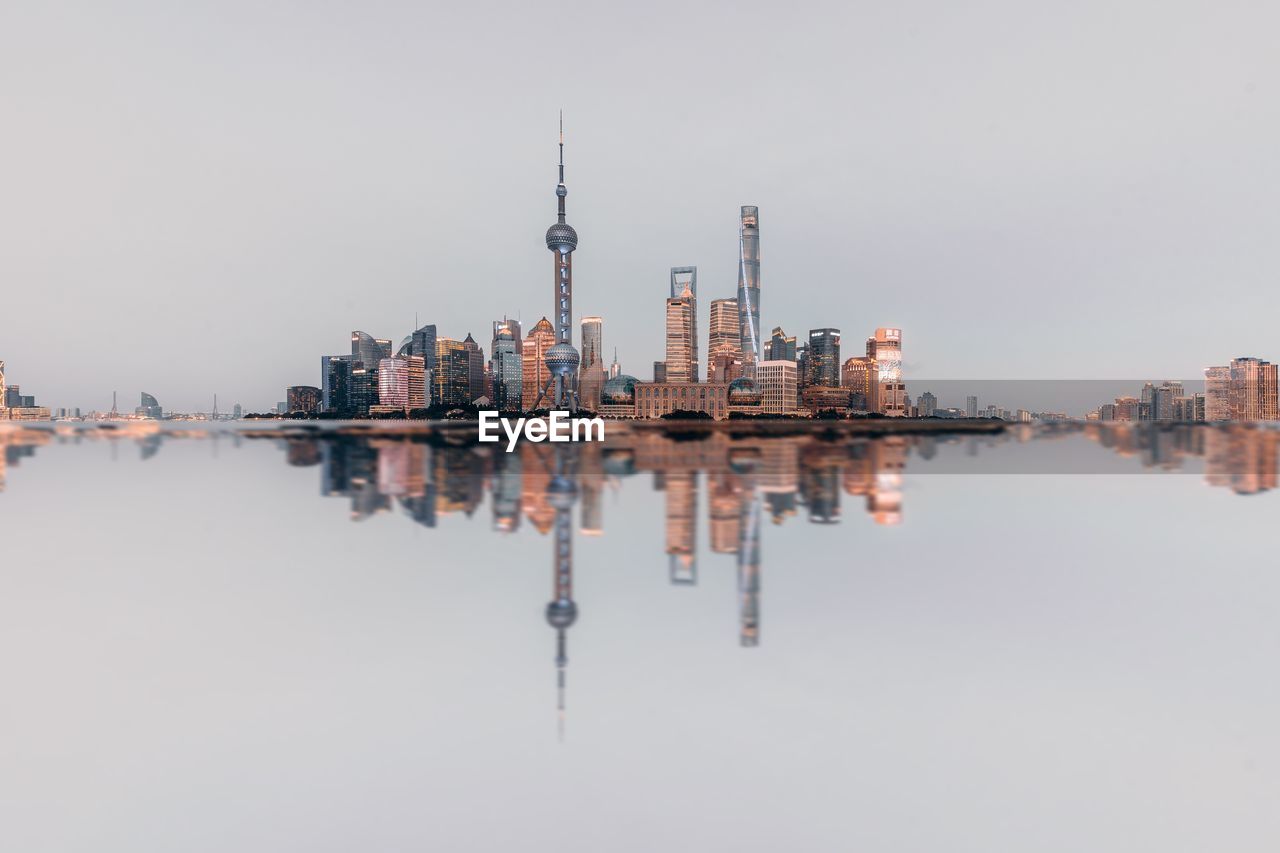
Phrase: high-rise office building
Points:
(971, 406)
(401, 382)
(682, 279)
(724, 334)
(782, 347)
(369, 350)
(1217, 393)
(506, 365)
(927, 405)
(561, 358)
(534, 361)
(822, 362)
(300, 398)
(615, 369)
(1253, 390)
(335, 382)
(778, 385)
(886, 348)
(422, 343)
(681, 365)
(362, 390)
(476, 386)
(861, 375)
(592, 373)
(749, 286)
(452, 376)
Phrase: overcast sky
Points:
(209, 197)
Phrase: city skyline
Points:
(1000, 218)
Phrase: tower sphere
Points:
(562, 238)
(744, 391)
(562, 359)
(562, 614)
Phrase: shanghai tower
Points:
(749, 285)
(562, 359)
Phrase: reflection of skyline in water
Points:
(738, 483)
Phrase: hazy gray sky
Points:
(200, 198)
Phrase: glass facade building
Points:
(749, 284)
(681, 363)
(822, 364)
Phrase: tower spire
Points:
(561, 191)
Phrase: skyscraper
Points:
(475, 369)
(452, 376)
(1253, 390)
(723, 335)
(781, 347)
(592, 375)
(862, 377)
(422, 343)
(562, 359)
(680, 361)
(534, 362)
(823, 358)
(506, 361)
(335, 381)
(682, 279)
(749, 285)
(886, 348)
(971, 406)
(1217, 393)
(393, 383)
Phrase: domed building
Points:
(745, 396)
(618, 397)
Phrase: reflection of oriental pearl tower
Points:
(562, 611)
(562, 358)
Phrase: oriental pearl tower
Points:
(562, 359)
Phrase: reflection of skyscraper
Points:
(1242, 459)
(681, 523)
(749, 285)
(749, 571)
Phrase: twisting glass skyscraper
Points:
(562, 358)
(749, 283)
